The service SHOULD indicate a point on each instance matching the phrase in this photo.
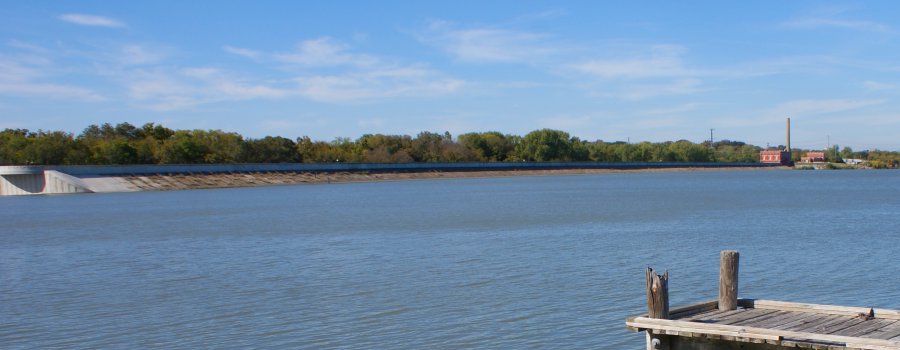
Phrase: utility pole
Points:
(711, 138)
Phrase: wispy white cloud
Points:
(876, 119)
(297, 124)
(30, 47)
(369, 123)
(663, 61)
(252, 54)
(643, 72)
(825, 106)
(91, 20)
(878, 86)
(140, 55)
(49, 90)
(488, 44)
(800, 109)
(324, 52)
(668, 88)
(376, 84)
(654, 123)
(686, 107)
(165, 89)
(815, 23)
(23, 78)
(331, 71)
(566, 122)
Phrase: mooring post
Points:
(657, 306)
(728, 279)
(657, 294)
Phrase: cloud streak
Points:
(326, 70)
(664, 61)
(19, 78)
(163, 89)
(251, 54)
(804, 108)
(825, 106)
(91, 20)
(487, 44)
(376, 84)
(323, 52)
(816, 23)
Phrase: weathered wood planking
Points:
(726, 323)
(757, 334)
(780, 323)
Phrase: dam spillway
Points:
(27, 180)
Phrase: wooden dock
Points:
(759, 324)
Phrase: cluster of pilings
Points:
(658, 293)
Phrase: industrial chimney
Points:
(787, 132)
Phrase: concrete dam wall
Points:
(24, 180)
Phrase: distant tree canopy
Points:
(155, 144)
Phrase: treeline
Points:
(877, 159)
(155, 144)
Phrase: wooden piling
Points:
(657, 294)
(657, 307)
(728, 279)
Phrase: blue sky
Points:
(639, 70)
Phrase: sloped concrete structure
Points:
(25, 180)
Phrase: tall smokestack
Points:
(788, 136)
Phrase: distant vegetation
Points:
(155, 144)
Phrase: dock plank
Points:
(772, 317)
(802, 320)
(711, 317)
(745, 315)
(887, 331)
(819, 324)
(802, 339)
(776, 322)
(783, 324)
(863, 328)
(837, 327)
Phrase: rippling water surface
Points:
(499, 263)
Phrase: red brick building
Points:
(813, 157)
(775, 157)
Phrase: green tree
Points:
(157, 132)
(686, 151)
(119, 151)
(490, 146)
(847, 153)
(546, 145)
(48, 148)
(427, 146)
(269, 150)
(182, 148)
(12, 143)
(833, 155)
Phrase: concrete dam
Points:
(30, 180)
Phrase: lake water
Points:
(552, 262)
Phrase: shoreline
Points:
(175, 182)
(31, 180)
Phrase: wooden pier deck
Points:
(753, 324)
(779, 324)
